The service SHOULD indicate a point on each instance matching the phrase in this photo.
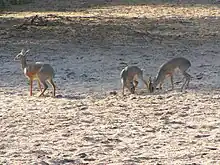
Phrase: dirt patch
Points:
(90, 122)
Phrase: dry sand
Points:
(85, 124)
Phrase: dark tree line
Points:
(8, 3)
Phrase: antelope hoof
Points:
(41, 95)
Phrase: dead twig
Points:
(145, 34)
(34, 20)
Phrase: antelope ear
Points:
(27, 52)
(18, 55)
(22, 51)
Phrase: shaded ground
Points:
(88, 46)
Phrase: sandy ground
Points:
(85, 124)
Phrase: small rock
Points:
(89, 159)
(83, 76)
(132, 98)
(43, 163)
(113, 93)
(160, 97)
(123, 63)
(71, 74)
(169, 96)
(199, 76)
(2, 146)
(82, 155)
(59, 96)
(212, 148)
(83, 108)
(91, 79)
(202, 135)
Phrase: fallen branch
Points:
(34, 20)
(145, 34)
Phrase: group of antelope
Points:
(44, 73)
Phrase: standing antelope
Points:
(37, 71)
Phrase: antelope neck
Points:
(23, 62)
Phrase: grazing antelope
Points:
(168, 69)
(129, 76)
